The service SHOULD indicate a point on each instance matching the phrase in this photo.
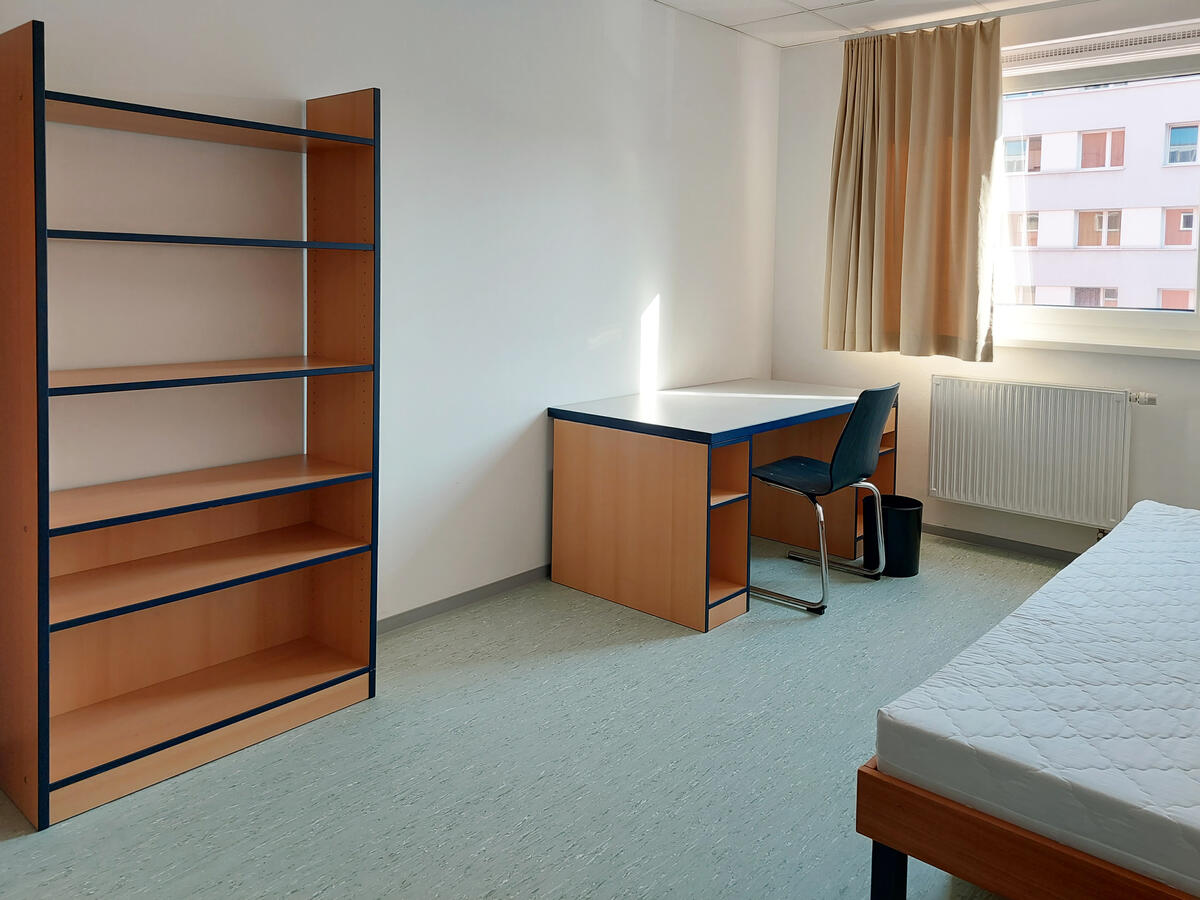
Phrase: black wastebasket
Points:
(901, 535)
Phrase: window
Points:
(1098, 228)
(1180, 227)
(1101, 258)
(1181, 144)
(1094, 296)
(1023, 229)
(1171, 298)
(1023, 154)
(1102, 149)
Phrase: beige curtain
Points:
(912, 166)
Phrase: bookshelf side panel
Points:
(21, 294)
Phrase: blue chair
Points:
(854, 461)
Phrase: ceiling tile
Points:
(734, 12)
(997, 5)
(801, 28)
(830, 4)
(880, 14)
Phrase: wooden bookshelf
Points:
(154, 624)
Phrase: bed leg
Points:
(889, 872)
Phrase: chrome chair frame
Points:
(823, 559)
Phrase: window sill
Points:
(1081, 170)
(1168, 352)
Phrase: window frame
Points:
(1159, 332)
(1108, 141)
(1190, 230)
(1103, 230)
(1024, 157)
(1171, 126)
(1023, 230)
(1193, 291)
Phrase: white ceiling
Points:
(787, 24)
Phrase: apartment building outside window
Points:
(1181, 144)
(1100, 213)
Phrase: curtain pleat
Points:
(906, 268)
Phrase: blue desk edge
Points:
(732, 436)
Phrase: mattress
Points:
(1078, 716)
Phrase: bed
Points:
(1059, 755)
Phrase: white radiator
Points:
(1037, 449)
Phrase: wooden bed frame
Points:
(903, 820)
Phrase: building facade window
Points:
(1098, 228)
(1181, 144)
(1023, 229)
(1179, 229)
(1094, 296)
(1102, 149)
(1172, 298)
(1023, 154)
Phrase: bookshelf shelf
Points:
(154, 624)
(82, 597)
(118, 502)
(66, 382)
(67, 234)
(103, 733)
(95, 112)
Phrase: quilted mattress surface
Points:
(1078, 716)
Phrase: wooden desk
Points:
(653, 506)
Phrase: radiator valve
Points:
(1143, 398)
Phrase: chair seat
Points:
(797, 473)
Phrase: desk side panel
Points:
(630, 519)
(19, 452)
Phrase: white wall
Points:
(1166, 441)
(548, 169)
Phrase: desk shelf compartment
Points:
(728, 560)
(729, 473)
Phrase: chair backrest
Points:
(857, 451)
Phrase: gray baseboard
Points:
(399, 620)
(987, 540)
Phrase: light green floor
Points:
(545, 743)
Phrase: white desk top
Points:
(714, 413)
